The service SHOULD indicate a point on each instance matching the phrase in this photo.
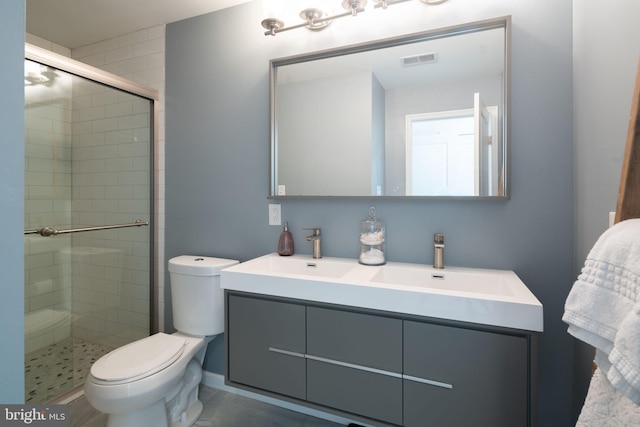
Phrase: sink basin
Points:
(476, 295)
(301, 266)
(428, 278)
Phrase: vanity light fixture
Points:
(317, 19)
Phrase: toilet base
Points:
(190, 416)
(154, 415)
(184, 408)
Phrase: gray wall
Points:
(606, 54)
(217, 162)
(606, 50)
(309, 135)
(12, 29)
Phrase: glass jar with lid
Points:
(372, 240)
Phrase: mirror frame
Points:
(471, 27)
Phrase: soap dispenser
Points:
(371, 240)
(285, 244)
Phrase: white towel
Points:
(624, 372)
(606, 407)
(603, 307)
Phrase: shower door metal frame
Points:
(77, 68)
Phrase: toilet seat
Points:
(138, 359)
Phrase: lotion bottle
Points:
(285, 244)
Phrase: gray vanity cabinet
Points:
(378, 367)
(354, 363)
(266, 345)
(462, 377)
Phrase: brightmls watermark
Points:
(34, 415)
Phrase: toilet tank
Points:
(196, 297)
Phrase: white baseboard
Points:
(213, 380)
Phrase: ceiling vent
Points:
(422, 58)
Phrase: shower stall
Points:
(88, 243)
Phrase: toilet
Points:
(154, 381)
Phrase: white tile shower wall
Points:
(47, 194)
(140, 57)
(46, 44)
(110, 185)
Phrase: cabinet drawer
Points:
(360, 339)
(266, 345)
(363, 393)
(456, 376)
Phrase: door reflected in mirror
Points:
(421, 115)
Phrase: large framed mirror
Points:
(423, 115)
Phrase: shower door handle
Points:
(50, 231)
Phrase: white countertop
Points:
(483, 296)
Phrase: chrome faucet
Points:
(315, 238)
(438, 250)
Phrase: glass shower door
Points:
(87, 164)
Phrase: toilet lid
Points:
(139, 359)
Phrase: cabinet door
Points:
(266, 345)
(462, 377)
(354, 363)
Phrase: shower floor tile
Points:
(54, 370)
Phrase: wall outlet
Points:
(274, 215)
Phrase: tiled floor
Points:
(54, 370)
(221, 409)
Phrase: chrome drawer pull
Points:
(286, 352)
(351, 365)
(425, 381)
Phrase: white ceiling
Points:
(75, 23)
